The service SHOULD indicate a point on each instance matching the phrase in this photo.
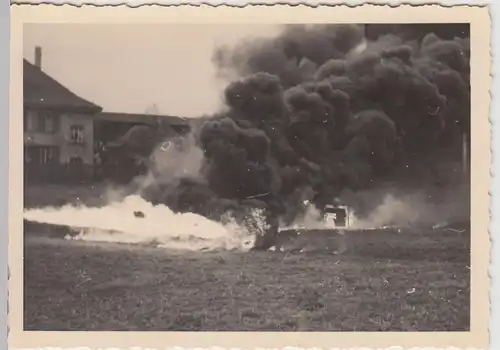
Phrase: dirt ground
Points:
(71, 285)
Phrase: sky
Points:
(131, 68)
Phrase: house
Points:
(58, 128)
(64, 134)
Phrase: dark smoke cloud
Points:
(294, 55)
(319, 111)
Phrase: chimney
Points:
(38, 57)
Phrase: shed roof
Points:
(148, 119)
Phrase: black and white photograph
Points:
(248, 177)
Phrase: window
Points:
(28, 121)
(40, 121)
(47, 122)
(76, 164)
(76, 161)
(76, 134)
(46, 154)
(42, 155)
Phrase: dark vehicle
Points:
(335, 217)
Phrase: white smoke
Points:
(405, 209)
(391, 212)
(410, 208)
(160, 226)
(174, 159)
(311, 219)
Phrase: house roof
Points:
(43, 92)
(149, 119)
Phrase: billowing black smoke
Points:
(319, 110)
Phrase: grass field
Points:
(386, 281)
(412, 280)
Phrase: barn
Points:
(124, 138)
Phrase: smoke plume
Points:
(320, 110)
(317, 114)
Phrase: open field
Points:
(386, 281)
(411, 280)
